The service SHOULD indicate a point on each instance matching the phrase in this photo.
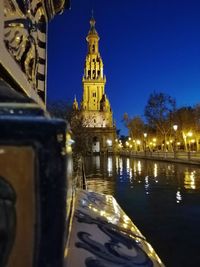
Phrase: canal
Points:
(162, 199)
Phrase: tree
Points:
(60, 109)
(135, 126)
(64, 110)
(80, 133)
(158, 112)
(79, 125)
(136, 129)
(185, 124)
(118, 133)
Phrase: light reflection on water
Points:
(190, 180)
(103, 172)
(99, 173)
(162, 198)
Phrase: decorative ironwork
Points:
(25, 39)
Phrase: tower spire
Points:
(93, 65)
(93, 72)
(95, 107)
(92, 31)
(75, 104)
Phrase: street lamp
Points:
(154, 143)
(175, 127)
(145, 136)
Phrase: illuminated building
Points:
(95, 107)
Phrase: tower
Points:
(95, 107)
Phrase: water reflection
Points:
(128, 164)
(139, 167)
(96, 162)
(100, 186)
(100, 175)
(146, 185)
(161, 198)
(155, 170)
(103, 173)
(120, 165)
(110, 166)
(178, 197)
(190, 180)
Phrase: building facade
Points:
(95, 107)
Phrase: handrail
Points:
(84, 181)
(179, 156)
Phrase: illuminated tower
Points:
(95, 106)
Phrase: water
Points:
(162, 199)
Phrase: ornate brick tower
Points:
(95, 107)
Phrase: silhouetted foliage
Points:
(135, 125)
(80, 134)
(118, 133)
(159, 113)
(60, 109)
(159, 109)
(64, 110)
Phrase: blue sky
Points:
(146, 46)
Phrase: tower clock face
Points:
(24, 36)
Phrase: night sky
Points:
(146, 46)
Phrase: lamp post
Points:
(145, 136)
(189, 135)
(154, 143)
(138, 144)
(175, 127)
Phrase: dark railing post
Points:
(84, 183)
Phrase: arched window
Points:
(93, 48)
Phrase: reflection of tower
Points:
(95, 107)
(96, 162)
(110, 166)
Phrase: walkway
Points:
(190, 157)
